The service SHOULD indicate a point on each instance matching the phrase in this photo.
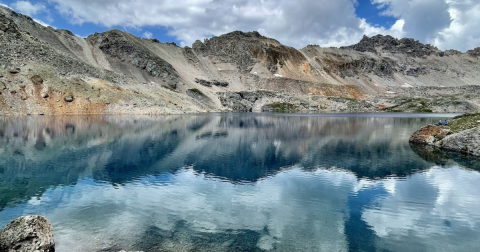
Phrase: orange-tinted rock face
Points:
(429, 134)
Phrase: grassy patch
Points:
(342, 99)
(464, 122)
(196, 91)
(197, 94)
(279, 107)
(169, 88)
(411, 105)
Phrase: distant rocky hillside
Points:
(51, 71)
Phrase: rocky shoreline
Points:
(461, 135)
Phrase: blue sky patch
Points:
(372, 13)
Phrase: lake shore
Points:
(461, 135)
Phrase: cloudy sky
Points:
(448, 24)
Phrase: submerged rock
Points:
(28, 233)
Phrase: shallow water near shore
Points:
(239, 182)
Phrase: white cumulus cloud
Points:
(28, 8)
(463, 32)
(448, 24)
(43, 23)
(445, 23)
(4, 5)
(147, 34)
(324, 22)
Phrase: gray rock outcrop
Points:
(467, 141)
(474, 53)
(28, 234)
(116, 44)
(388, 43)
(211, 83)
(245, 49)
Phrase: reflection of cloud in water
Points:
(300, 210)
(458, 194)
(254, 183)
(293, 210)
(431, 209)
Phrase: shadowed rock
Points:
(28, 233)
(69, 98)
(210, 83)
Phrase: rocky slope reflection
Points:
(43, 152)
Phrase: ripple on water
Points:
(283, 183)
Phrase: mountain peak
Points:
(388, 43)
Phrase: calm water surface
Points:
(239, 182)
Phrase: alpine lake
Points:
(239, 182)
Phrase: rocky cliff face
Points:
(245, 50)
(116, 72)
(122, 48)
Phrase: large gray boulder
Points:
(467, 141)
(28, 233)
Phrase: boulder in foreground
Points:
(28, 233)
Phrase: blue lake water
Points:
(239, 182)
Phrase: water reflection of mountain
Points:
(38, 153)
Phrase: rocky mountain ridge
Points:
(117, 73)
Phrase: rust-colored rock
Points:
(429, 134)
